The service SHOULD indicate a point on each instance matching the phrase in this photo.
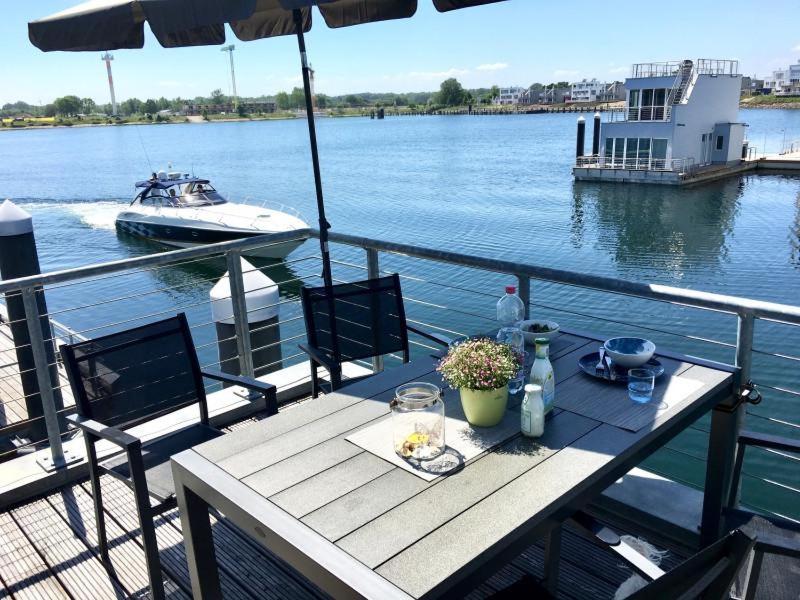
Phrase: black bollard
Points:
(581, 137)
(18, 258)
(596, 135)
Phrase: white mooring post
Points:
(259, 319)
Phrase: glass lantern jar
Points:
(418, 421)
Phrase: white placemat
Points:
(464, 442)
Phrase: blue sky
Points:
(515, 42)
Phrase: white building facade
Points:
(678, 116)
(509, 95)
(785, 82)
(587, 91)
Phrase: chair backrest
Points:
(136, 375)
(356, 320)
(708, 574)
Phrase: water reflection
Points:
(657, 227)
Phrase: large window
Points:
(636, 153)
(647, 104)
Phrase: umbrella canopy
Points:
(115, 24)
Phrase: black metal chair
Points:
(775, 570)
(125, 379)
(709, 574)
(369, 320)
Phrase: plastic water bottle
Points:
(510, 308)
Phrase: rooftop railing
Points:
(703, 66)
(453, 294)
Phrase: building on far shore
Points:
(784, 82)
(586, 91)
(680, 118)
(509, 96)
(228, 107)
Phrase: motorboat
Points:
(178, 209)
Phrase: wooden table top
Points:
(420, 537)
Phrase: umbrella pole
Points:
(312, 134)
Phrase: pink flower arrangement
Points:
(481, 364)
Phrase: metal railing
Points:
(443, 298)
(678, 165)
(713, 66)
(639, 113)
(703, 66)
(790, 147)
(655, 69)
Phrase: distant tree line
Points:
(450, 93)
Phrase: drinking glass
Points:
(518, 382)
(640, 385)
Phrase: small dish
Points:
(530, 336)
(630, 352)
(588, 365)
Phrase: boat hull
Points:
(181, 236)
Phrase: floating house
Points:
(679, 123)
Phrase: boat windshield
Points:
(199, 194)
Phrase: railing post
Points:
(524, 287)
(239, 304)
(58, 457)
(726, 422)
(373, 272)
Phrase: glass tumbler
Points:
(640, 385)
(418, 421)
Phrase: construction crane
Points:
(108, 58)
(229, 50)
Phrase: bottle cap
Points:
(511, 289)
(532, 387)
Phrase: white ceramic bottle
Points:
(542, 374)
(532, 411)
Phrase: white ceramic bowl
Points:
(630, 352)
(530, 336)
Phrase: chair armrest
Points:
(111, 434)
(246, 382)
(428, 336)
(267, 390)
(765, 440)
(319, 358)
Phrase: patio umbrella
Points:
(114, 24)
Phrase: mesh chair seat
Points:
(779, 577)
(155, 456)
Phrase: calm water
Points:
(496, 186)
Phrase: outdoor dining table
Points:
(359, 525)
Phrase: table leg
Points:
(199, 544)
(552, 558)
(725, 425)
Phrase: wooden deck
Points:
(48, 549)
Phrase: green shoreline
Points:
(750, 105)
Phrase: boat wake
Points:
(97, 215)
